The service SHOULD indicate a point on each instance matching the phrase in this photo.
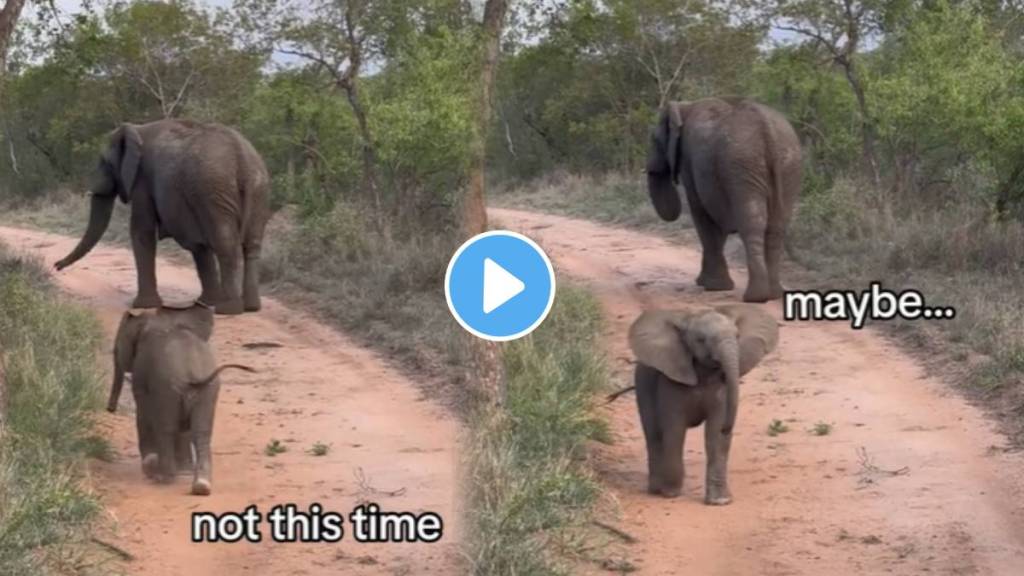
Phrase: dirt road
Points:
(934, 496)
(387, 444)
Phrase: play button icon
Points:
(500, 285)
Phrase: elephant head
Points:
(731, 338)
(196, 317)
(664, 161)
(115, 177)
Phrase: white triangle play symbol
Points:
(500, 285)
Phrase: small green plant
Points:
(777, 427)
(320, 449)
(821, 429)
(275, 447)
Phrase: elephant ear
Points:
(656, 340)
(758, 332)
(129, 142)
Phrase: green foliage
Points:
(947, 84)
(585, 95)
(423, 114)
(48, 364)
(136, 61)
(532, 494)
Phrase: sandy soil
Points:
(387, 443)
(937, 493)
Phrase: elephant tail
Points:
(217, 372)
(615, 395)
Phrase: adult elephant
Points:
(202, 184)
(739, 162)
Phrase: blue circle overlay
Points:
(515, 254)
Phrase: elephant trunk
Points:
(664, 195)
(729, 358)
(100, 210)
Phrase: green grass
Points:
(274, 447)
(776, 427)
(821, 429)
(531, 492)
(319, 449)
(48, 365)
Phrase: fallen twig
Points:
(626, 536)
(254, 345)
(868, 468)
(124, 554)
(366, 489)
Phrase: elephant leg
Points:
(753, 226)
(714, 270)
(201, 423)
(646, 380)
(166, 466)
(147, 444)
(773, 259)
(143, 234)
(251, 250)
(206, 266)
(183, 451)
(716, 450)
(671, 400)
(226, 246)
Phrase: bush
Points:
(48, 363)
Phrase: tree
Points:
(840, 28)
(339, 38)
(8, 18)
(474, 218)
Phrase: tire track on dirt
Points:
(384, 436)
(803, 504)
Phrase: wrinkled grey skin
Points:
(688, 367)
(739, 162)
(175, 383)
(203, 185)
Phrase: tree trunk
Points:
(867, 127)
(8, 18)
(486, 355)
(369, 151)
(474, 213)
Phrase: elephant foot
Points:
(757, 293)
(777, 291)
(715, 283)
(657, 489)
(150, 465)
(147, 301)
(253, 304)
(717, 496)
(201, 487)
(229, 307)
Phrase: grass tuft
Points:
(531, 493)
(52, 389)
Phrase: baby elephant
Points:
(689, 363)
(175, 384)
